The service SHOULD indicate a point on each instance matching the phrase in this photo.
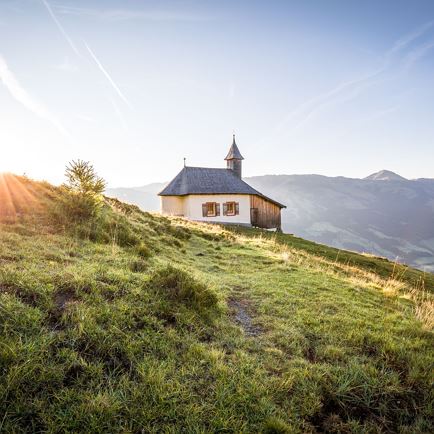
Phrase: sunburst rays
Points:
(16, 197)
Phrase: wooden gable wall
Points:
(264, 214)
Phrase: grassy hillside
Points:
(138, 323)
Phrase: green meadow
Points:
(133, 322)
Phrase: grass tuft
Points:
(143, 251)
(276, 426)
(178, 285)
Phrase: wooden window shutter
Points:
(217, 209)
(237, 208)
(204, 210)
(225, 208)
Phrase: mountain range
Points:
(383, 214)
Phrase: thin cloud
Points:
(417, 54)
(340, 98)
(20, 94)
(107, 75)
(299, 116)
(60, 27)
(306, 110)
(409, 38)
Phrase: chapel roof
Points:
(204, 180)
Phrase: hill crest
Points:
(118, 321)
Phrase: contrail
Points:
(60, 27)
(21, 95)
(106, 74)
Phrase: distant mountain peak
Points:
(385, 175)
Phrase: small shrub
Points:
(138, 266)
(77, 207)
(178, 285)
(82, 196)
(83, 179)
(143, 251)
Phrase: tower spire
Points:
(234, 158)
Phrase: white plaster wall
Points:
(172, 205)
(193, 207)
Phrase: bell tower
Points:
(234, 159)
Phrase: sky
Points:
(338, 88)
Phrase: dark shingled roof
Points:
(234, 152)
(203, 180)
